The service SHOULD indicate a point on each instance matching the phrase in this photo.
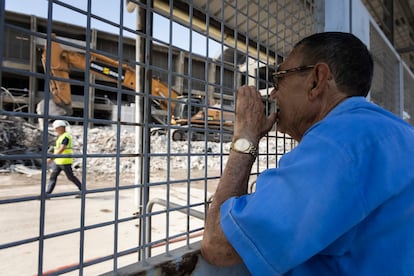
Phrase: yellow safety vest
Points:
(68, 150)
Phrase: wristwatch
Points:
(243, 145)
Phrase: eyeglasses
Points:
(279, 74)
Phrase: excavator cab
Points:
(186, 104)
(199, 122)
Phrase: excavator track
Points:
(194, 134)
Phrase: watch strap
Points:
(251, 150)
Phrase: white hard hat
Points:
(59, 123)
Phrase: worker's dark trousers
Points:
(56, 169)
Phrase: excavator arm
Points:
(60, 90)
(101, 65)
(63, 61)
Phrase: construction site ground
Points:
(21, 221)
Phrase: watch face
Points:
(242, 145)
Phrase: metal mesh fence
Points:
(408, 114)
(392, 85)
(385, 90)
(152, 95)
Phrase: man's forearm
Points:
(234, 181)
(251, 123)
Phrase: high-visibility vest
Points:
(68, 149)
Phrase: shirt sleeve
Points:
(297, 209)
(65, 141)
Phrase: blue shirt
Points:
(340, 203)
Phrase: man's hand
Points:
(252, 124)
(251, 120)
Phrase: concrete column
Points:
(179, 68)
(91, 102)
(347, 16)
(32, 62)
(211, 79)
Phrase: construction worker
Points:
(63, 146)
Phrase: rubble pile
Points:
(103, 141)
(101, 148)
(195, 155)
(17, 137)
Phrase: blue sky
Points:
(110, 10)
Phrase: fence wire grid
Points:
(145, 188)
(148, 89)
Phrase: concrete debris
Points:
(103, 145)
(25, 170)
(17, 137)
(195, 155)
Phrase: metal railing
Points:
(190, 212)
(393, 82)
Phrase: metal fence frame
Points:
(296, 19)
(391, 74)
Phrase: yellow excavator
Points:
(199, 123)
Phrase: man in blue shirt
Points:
(342, 201)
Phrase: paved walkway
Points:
(21, 221)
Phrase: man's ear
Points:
(320, 75)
